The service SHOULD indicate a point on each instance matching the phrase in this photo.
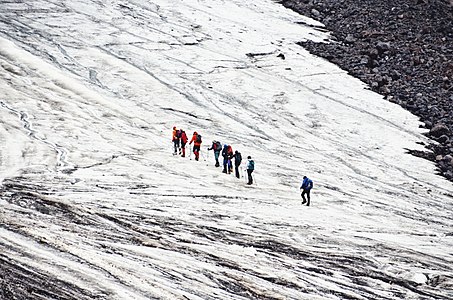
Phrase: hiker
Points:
(250, 168)
(216, 147)
(184, 140)
(196, 139)
(237, 162)
(227, 155)
(230, 159)
(306, 186)
(225, 158)
(175, 140)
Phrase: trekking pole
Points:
(207, 156)
(245, 176)
(190, 152)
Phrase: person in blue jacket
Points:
(250, 168)
(216, 147)
(306, 186)
(227, 154)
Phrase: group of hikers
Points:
(180, 139)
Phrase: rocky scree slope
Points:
(403, 49)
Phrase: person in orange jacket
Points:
(196, 139)
(175, 139)
(184, 141)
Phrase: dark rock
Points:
(439, 130)
(395, 75)
(448, 158)
(350, 39)
(443, 139)
(385, 90)
(364, 61)
(373, 53)
(382, 47)
(443, 166)
(401, 49)
(315, 13)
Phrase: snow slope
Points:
(95, 206)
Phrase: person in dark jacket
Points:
(230, 159)
(225, 158)
(237, 162)
(306, 186)
(217, 148)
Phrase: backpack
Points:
(179, 133)
(230, 151)
(198, 139)
(183, 137)
(251, 165)
(218, 146)
(238, 158)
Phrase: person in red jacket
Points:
(184, 141)
(196, 139)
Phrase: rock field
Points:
(403, 50)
